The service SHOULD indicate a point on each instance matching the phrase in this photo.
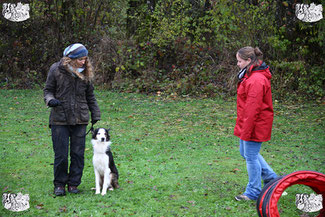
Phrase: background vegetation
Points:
(171, 47)
(175, 157)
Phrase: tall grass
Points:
(176, 157)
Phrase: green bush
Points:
(297, 78)
(172, 47)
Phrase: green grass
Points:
(175, 157)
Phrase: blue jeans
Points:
(257, 168)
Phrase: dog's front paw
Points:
(103, 193)
(97, 192)
(111, 188)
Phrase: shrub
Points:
(171, 46)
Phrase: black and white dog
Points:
(106, 173)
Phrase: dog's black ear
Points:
(108, 137)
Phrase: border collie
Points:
(106, 174)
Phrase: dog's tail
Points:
(114, 181)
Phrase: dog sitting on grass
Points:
(106, 174)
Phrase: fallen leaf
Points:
(39, 206)
(130, 182)
(63, 209)
(235, 170)
(191, 202)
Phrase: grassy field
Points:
(176, 157)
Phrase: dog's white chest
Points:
(100, 158)
(100, 162)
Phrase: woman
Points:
(70, 94)
(254, 118)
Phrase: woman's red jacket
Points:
(254, 106)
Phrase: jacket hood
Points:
(264, 69)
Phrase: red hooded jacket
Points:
(254, 106)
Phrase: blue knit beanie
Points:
(75, 51)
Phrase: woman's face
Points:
(80, 62)
(241, 63)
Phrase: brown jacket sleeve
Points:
(50, 85)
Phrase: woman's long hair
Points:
(86, 75)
